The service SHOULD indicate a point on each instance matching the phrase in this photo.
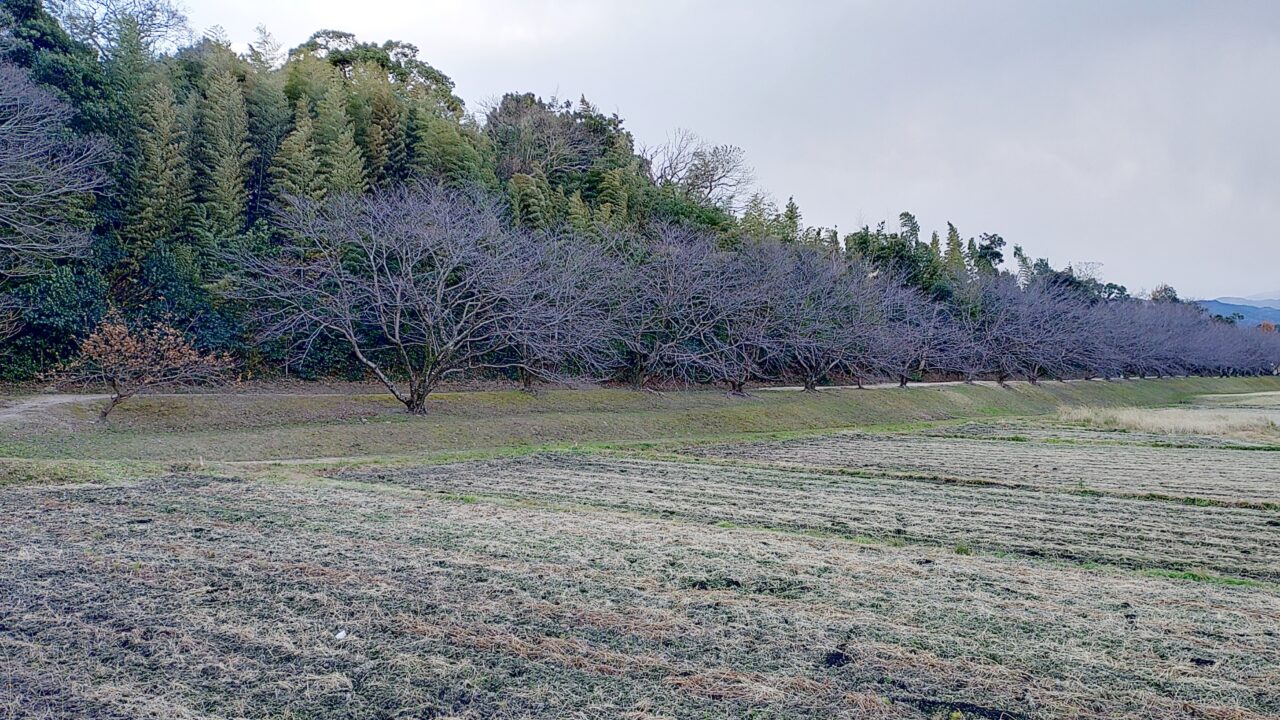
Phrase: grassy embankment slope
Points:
(164, 432)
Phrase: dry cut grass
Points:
(1223, 476)
(1176, 421)
(193, 597)
(844, 576)
(1230, 541)
(1269, 400)
(1054, 431)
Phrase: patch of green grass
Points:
(1202, 578)
(465, 499)
(17, 471)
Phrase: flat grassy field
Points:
(1096, 550)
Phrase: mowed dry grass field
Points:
(1034, 566)
(1193, 475)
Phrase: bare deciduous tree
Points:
(713, 174)
(47, 177)
(668, 307)
(10, 316)
(132, 360)
(816, 328)
(828, 314)
(720, 175)
(421, 282)
(910, 335)
(671, 162)
(567, 303)
(1044, 329)
(741, 340)
(161, 23)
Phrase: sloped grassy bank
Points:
(231, 427)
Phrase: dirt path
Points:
(37, 403)
(20, 408)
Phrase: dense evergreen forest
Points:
(336, 209)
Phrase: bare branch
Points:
(47, 177)
(420, 282)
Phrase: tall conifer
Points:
(295, 171)
(223, 154)
(162, 202)
(341, 165)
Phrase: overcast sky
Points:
(1138, 135)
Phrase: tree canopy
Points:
(155, 175)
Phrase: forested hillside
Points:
(336, 209)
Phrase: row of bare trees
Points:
(998, 329)
(424, 282)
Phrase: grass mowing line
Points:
(1225, 446)
(516, 502)
(1168, 444)
(1037, 524)
(934, 479)
(509, 500)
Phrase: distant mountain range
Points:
(1252, 301)
(1255, 308)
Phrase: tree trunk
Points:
(417, 402)
(810, 385)
(902, 381)
(111, 405)
(117, 396)
(526, 380)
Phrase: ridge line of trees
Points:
(335, 209)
